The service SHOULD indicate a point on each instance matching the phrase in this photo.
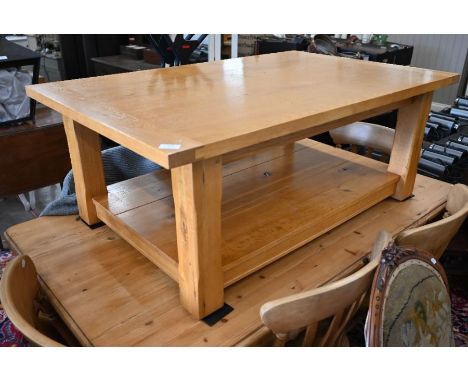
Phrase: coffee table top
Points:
(204, 110)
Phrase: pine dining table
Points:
(109, 294)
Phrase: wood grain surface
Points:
(110, 295)
(272, 204)
(213, 108)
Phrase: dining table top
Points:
(178, 115)
(111, 295)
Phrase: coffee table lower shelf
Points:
(273, 203)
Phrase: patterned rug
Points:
(10, 336)
(459, 297)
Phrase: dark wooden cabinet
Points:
(33, 155)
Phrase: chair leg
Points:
(32, 199)
(343, 341)
(25, 202)
(280, 340)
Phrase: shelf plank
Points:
(168, 265)
(136, 192)
(272, 204)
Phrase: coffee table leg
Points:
(197, 190)
(406, 149)
(85, 155)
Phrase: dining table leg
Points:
(85, 154)
(197, 192)
(409, 133)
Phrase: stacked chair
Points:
(407, 263)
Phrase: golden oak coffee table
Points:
(213, 218)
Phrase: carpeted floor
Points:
(459, 295)
(10, 336)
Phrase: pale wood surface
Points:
(111, 295)
(406, 150)
(88, 173)
(18, 289)
(365, 134)
(214, 108)
(313, 188)
(338, 300)
(435, 237)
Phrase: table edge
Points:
(196, 151)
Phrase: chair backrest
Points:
(435, 237)
(369, 135)
(410, 302)
(18, 291)
(338, 300)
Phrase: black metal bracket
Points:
(218, 315)
(92, 226)
(175, 52)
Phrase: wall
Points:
(440, 52)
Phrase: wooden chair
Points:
(410, 301)
(435, 237)
(331, 305)
(368, 135)
(21, 298)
